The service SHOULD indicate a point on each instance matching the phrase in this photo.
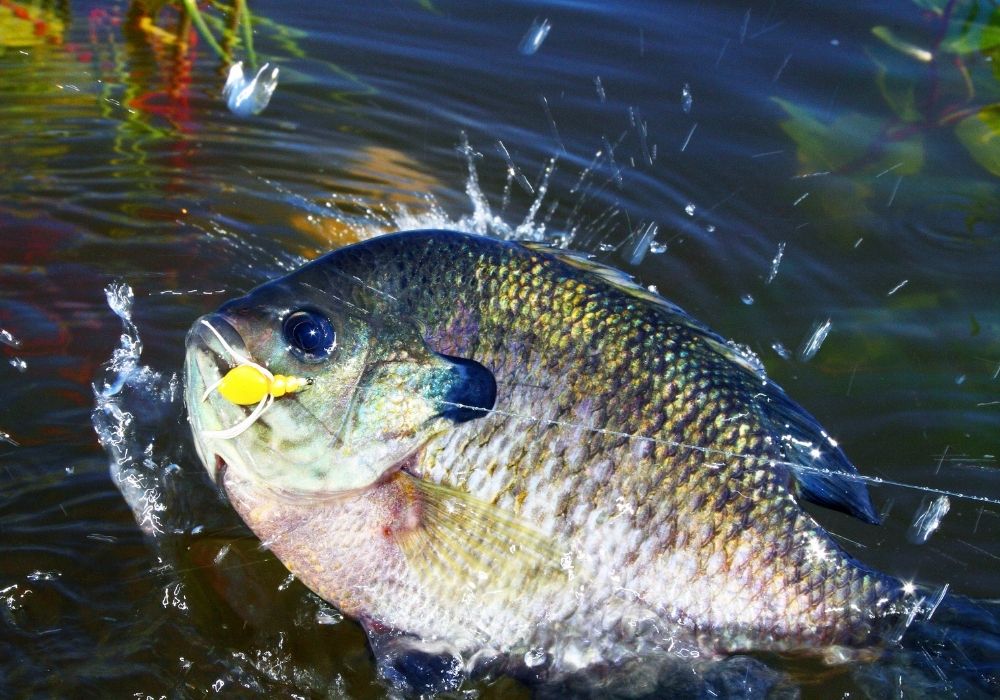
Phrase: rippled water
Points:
(772, 167)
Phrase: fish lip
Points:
(408, 464)
(207, 362)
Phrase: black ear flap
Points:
(473, 392)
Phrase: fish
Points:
(515, 452)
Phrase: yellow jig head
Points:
(246, 384)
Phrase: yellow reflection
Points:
(24, 25)
(385, 178)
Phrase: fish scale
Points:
(549, 305)
(635, 467)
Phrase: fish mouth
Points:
(410, 464)
(293, 447)
(213, 347)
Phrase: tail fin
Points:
(954, 651)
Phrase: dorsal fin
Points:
(822, 473)
(621, 281)
(626, 284)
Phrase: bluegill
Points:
(508, 448)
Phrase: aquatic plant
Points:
(939, 79)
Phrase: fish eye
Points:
(309, 334)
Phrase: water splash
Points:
(483, 220)
(128, 435)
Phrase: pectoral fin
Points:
(464, 544)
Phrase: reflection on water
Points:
(836, 166)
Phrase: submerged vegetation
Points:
(940, 90)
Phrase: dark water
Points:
(870, 164)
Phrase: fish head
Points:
(375, 391)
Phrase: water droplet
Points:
(928, 519)
(686, 99)
(8, 339)
(897, 288)
(710, 228)
(245, 97)
(690, 209)
(747, 299)
(960, 379)
(781, 350)
(534, 658)
(816, 338)
(600, 89)
(775, 262)
(43, 575)
(534, 37)
(328, 617)
(18, 364)
(641, 247)
(657, 248)
(223, 551)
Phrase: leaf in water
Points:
(935, 6)
(902, 45)
(905, 156)
(971, 36)
(980, 134)
(854, 139)
(824, 145)
(897, 90)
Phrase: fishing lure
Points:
(249, 383)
